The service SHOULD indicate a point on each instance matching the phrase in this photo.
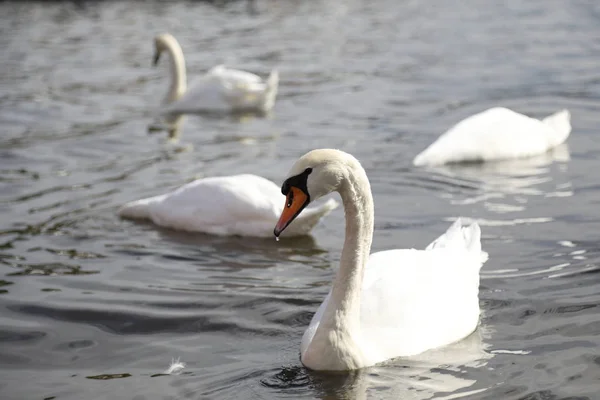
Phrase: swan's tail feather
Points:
(432, 155)
(560, 122)
(139, 209)
(463, 233)
(271, 90)
(419, 160)
(307, 220)
(472, 235)
(273, 80)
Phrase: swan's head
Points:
(162, 42)
(314, 175)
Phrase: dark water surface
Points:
(86, 295)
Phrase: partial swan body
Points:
(220, 90)
(245, 205)
(388, 304)
(497, 134)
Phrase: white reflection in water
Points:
(503, 187)
(518, 176)
(438, 373)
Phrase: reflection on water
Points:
(510, 177)
(173, 125)
(434, 374)
(503, 187)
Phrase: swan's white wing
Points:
(418, 300)
(207, 93)
(497, 133)
(244, 90)
(222, 89)
(415, 300)
(241, 204)
(234, 76)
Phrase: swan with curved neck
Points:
(178, 84)
(387, 304)
(221, 89)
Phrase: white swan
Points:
(246, 205)
(220, 90)
(496, 134)
(392, 303)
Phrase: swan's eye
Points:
(290, 199)
(307, 171)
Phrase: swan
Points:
(219, 90)
(495, 134)
(245, 205)
(392, 303)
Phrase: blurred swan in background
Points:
(246, 205)
(388, 304)
(219, 90)
(497, 134)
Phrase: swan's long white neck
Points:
(340, 325)
(347, 285)
(178, 75)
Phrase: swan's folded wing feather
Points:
(234, 76)
(240, 88)
(221, 89)
(206, 93)
(216, 205)
(414, 300)
(245, 94)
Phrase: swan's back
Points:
(497, 133)
(225, 89)
(234, 76)
(246, 205)
(237, 195)
(214, 205)
(415, 300)
(247, 91)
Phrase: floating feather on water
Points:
(175, 368)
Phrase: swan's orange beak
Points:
(295, 202)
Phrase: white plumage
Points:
(497, 134)
(246, 205)
(221, 89)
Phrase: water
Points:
(95, 307)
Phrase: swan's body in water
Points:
(245, 205)
(220, 90)
(392, 303)
(497, 134)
